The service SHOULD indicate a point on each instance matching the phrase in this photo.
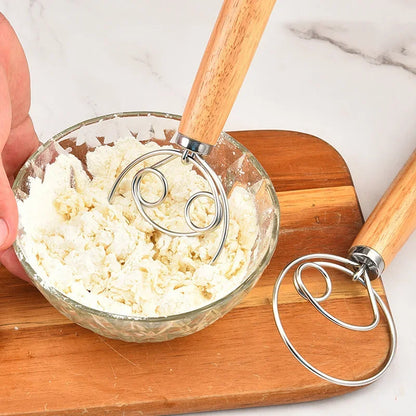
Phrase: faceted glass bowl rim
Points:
(168, 318)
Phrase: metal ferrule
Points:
(192, 145)
(370, 258)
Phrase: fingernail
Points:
(4, 231)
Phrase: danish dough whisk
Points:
(227, 57)
(383, 234)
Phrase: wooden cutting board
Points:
(52, 366)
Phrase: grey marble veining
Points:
(393, 45)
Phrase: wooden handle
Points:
(394, 218)
(224, 65)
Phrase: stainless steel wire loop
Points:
(216, 194)
(356, 272)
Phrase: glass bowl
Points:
(229, 159)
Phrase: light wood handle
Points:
(394, 218)
(224, 65)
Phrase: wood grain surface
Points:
(231, 47)
(50, 366)
(393, 219)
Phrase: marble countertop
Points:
(344, 71)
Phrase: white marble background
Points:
(342, 70)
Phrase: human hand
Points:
(18, 139)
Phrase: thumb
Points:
(8, 208)
(8, 212)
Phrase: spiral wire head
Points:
(216, 194)
(357, 272)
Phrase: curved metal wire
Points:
(358, 273)
(216, 193)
